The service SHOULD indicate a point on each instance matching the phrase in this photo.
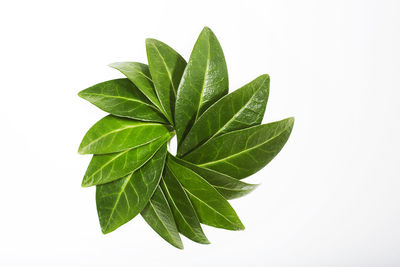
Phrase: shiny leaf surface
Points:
(158, 215)
(139, 74)
(182, 208)
(166, 69)
(211, 207)
(120, 201)
(114, 134)
(228, 187)
(104, 168)
(204, 81)
(122, 98)
(243, 152)
(243, 108)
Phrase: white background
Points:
(331, 198)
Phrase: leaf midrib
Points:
(121, 129)
(223, 216)
(243, 151)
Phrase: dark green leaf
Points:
(184, 213)
(114, 134)
(211, 207)
(166, 68)
(227, 186)
(243, 108)
(158, 215)
(243, 152)
(120, 201)
(104, 168)
(204, 81)
(139, 74)
(120, 97)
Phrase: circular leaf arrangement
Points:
(220, 141)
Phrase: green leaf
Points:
(204, 81)
(228, 187)
(211, 207)
(243, 152)
(104, 168)
(113, 134)
(184, 213)
(166, 68)
(243, 108)
(139, 74)
(120, 201)
(120, 97)
(158, 215)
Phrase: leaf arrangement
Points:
(220, 141)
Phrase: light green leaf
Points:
(211, 207)
(122, 98)
(120, 201)
(113, 134)
(204, 81)
(166, 68)
(243, 108)
(184, 213)
(158, 215)
(104, 168)
(243, 152)
(139, 74)
(228, 187)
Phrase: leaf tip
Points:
(85, 183)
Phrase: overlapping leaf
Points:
(121, 97)
(243, 152)
(113, 134)
(228, 187)
(166, 68)
(212, 208)
(243, 108)
(204, 81)
(158, 215)
(120, 201)
(104, 168)
(139, 74)
(182, 208)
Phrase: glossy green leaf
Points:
(104, 168)
(204, 81)
(120, 201)
(228, 187)
(139, 74)
(181, 206)
(120, 97)
(158, 215)
(211, 207)
(114, 134)
(166, 68)
(243, 152)
(243, 108)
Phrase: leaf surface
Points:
(240, 109)
(228, 187)
(204, 81)
(158, 215)
(243, 152)
(122, 98)
(181, 206)
(120, 201)
(104, 168)
(114, 134)
(139, 74)
(166, 68)
(211, 207)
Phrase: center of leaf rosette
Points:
(173, 145)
